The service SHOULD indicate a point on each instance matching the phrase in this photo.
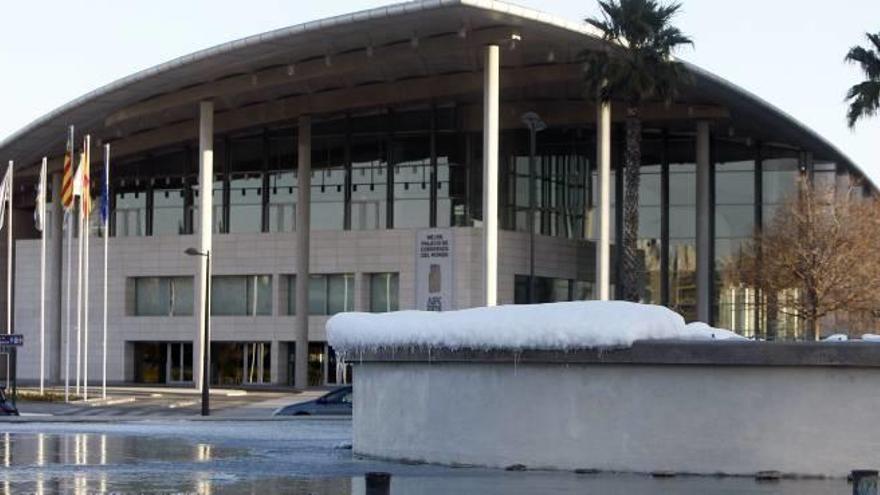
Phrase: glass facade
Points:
(682, 211)
(421, 167)
(735, 222)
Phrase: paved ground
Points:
(293, 455)
(169, 402)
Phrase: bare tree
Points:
(819, 255)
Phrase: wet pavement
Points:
(302, 456)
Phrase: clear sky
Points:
(789, 52)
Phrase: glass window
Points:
(282, 202)
(548, 290)
(780, 177)
(331, 294)
(168, 211)
(412, 181)
(317, 294)
(246, 203)
(130, 214)
(152, 296)
(183, 294)
(328, 183)
(369, 184)
(452, 182)
(384, 292)
(216, 201)
(241, 295)
(340, 293)
(163, 296)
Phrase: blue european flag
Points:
(105, 201)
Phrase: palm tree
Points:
(635, 67)
(864, 98)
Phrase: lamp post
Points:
(206, 333)
(535, 125)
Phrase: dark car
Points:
(6, 407)
(335, 403)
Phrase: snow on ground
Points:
(556, 326)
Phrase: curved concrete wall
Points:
(807, 420)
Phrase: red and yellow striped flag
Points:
(85, 202)
(67, 180)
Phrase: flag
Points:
(5, 192)
(81, 185)
(67, 180)
(39, 211)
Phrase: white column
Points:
(303, 225)
(603, 166)
(704, 233)
(206, 209)
(490, 174)
(56, 237)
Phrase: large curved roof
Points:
(266, 75)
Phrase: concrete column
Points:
(206, 209)
(56, 279)
(704, 223)
(303, 225)
(490, 175)
(603, 166)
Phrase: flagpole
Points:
(105, 213)
(42, 215)
(9, 300)
(68, 220)
(79, 281)
(87, 186)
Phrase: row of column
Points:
(491, 102)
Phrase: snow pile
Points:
(837, 337)
(704, 331)
(557, 326)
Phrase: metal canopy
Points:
(423, 41)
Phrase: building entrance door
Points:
(256, 363)
(179, 362)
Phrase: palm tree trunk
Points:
(632, 268)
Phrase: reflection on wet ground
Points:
(296, 456)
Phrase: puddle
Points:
(298, 457)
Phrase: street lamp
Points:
(206, 333)
(535, 125)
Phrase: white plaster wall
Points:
(690, 419)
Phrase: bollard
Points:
(378, 483)
(864, 482)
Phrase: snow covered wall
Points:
(556, 326)
(611, 386)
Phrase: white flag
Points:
(5, 193)
(77, 177)
(40, 211)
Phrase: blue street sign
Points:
(12, 339)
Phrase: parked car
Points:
(6, 407)
(335, 403)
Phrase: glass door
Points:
(179, 362)
(257, 367)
